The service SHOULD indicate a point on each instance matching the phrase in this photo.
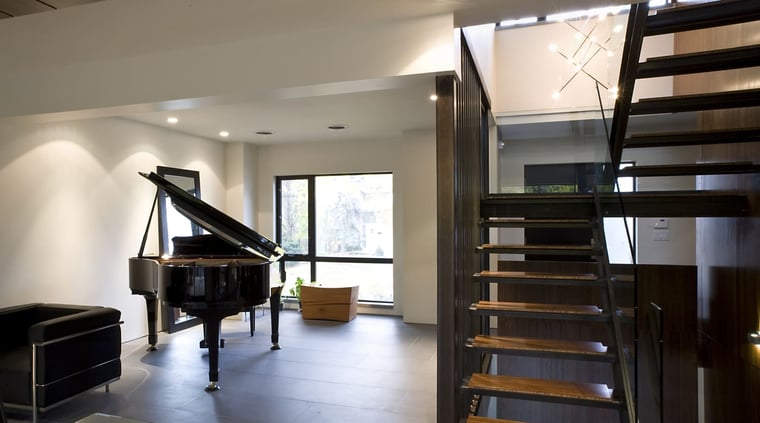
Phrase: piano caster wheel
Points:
(212, 386)
(204, 344)
(275, 347)
(152, 348)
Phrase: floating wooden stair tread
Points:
(697, 102)
(536, 310)
(478, 419)
(627, 312)
(590, 394)
(582, 250)
(665, 139)
(691, 169)
(506, 222)
(541, 347)
(637, 204)
(540, 278)
(707, 61)
(702, 16)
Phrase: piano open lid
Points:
(216, 222)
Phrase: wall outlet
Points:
(661, 234)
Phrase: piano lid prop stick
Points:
(150, 217)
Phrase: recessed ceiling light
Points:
(264, 132)
(224, 134)
(337, 126)
(433, 97)
(172, 119)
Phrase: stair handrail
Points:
(612, 305)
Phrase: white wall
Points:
(481, 41)
(74, 208)
(412, 161)
(680, 246)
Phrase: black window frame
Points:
(311, 256)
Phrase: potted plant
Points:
(295, 291)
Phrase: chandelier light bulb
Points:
(555, 95)
(552, 47)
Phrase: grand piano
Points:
(210, 276)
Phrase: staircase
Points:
(642, 24)
(613, 344)
(604, 315)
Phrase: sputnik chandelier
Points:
(592, 38)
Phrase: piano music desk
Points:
(329, 303)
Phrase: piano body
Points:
(210, 276)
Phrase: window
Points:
(337, 230)
(617, 230)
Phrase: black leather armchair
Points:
(62, 350)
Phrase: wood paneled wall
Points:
(460, 106)
(674, 290)
(728, 248)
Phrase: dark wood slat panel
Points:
(723, 136)
(697, 102)
(461, 102)
(707, 61)
(702, 16)
(591, 394)
(691, 169)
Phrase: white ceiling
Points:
(370, 114)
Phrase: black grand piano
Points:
(210, 276)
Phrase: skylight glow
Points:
(521, 21)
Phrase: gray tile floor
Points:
(373, 369)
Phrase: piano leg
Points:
(252, 315)
(274, 306)
(151, 306)
(213, 322)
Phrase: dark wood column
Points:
(460, 108)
